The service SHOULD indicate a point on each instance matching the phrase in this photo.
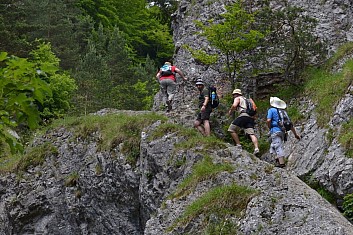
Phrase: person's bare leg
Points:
(254, 140)
(197, 125)
(207, 127)
(235, 138)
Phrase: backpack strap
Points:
(244, 102)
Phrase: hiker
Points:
(167, 82)
(277, 136)
(243, 121)
(203, 116)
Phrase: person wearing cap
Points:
(243, 121)
(277, 135)
(203, 116)
(167, 82)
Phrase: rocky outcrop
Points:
(334, 27)
(284, 204)
(80, 189)
(323, 159)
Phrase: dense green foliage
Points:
(31, 90)
(110, 48)
(348, 206)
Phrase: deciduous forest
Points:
(79, 56)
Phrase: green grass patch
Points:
(5, 149)
(203, 170)
(326, 89)
(220, 201)
(314, 184)
(346, 137)
(342, 51)
(72, 179)
(35, 156)
(330, 197)
(221, 227)
(192, 138)
(9, 163)
(114, 129)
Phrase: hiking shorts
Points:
(204, 115)
(276, 146)
(243, 122)
(168, 88)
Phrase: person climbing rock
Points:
(202, 122)
(278, 128)
(167, 81)
(243, 121)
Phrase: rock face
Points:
(321, 159)
(82, 190)
(334, 27)
(78, 190)
(314, 156)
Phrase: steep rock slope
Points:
(80, 189)
(315, 155)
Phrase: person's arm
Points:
(180, 73)
(269, 119)
(158, 75)
(234, 106)
(295, 133)
(204, 105)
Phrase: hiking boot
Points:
(238, 147)
(256, 152)
(169, 105)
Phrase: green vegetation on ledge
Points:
(219, 202)
(203, 170)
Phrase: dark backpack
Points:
(251, 108)
(284, 121)
(166, 70)
(213, 96)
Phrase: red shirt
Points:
(172, 77)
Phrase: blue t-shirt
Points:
(272, 114)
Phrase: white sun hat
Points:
(277, 103)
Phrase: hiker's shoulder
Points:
(272, 110)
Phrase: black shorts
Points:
(204, 115)
(244, 122)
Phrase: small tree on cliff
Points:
(234, 36)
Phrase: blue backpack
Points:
(213, 96)
(166, 70)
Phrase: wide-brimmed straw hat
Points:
(237, 91)
(277, 103)
(199, 82)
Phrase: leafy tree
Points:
(233, 36)
(291, 37)
(61, 84)
(31, 90)
(21, 89)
